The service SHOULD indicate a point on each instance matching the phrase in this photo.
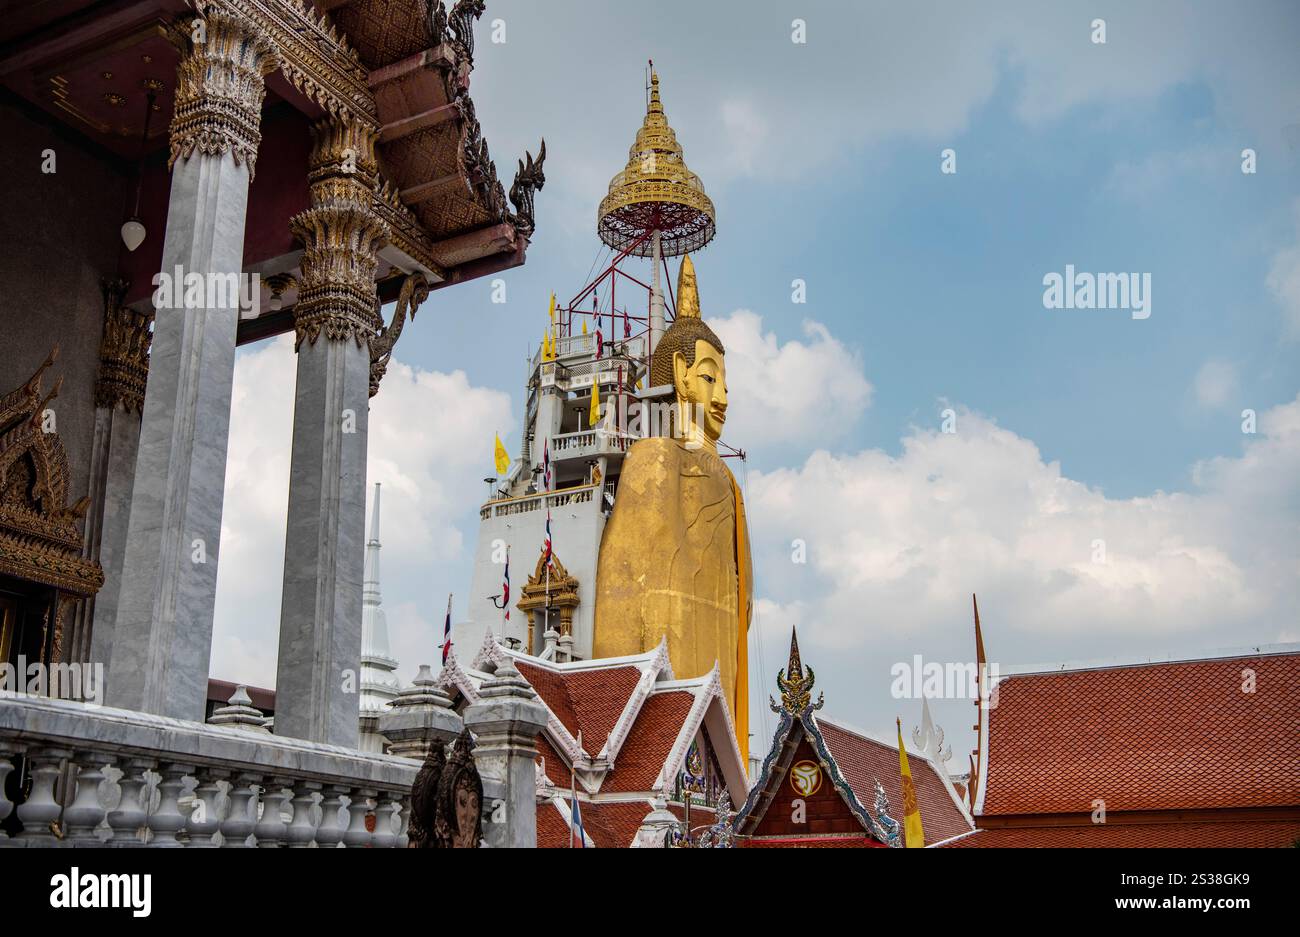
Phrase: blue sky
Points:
(824, 162)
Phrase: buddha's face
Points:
(703, 386)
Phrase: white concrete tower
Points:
(378, 668)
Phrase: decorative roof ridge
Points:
(1283, 649)
(454, 677)
(645, 687)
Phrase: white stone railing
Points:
(114, 777)
(538, 502)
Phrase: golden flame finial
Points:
(688, 293)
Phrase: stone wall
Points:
(60, 236)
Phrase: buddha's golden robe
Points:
(674, 559)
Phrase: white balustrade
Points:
(61, 744)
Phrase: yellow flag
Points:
(584, 326)
(913, 834)
(502, 458)
(594, 416)
(546, 345)
(551, 313)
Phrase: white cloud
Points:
(1284, 281)
(428, 433)
(1215, 383)
(902, 542)
(897, 544)
(792, 391)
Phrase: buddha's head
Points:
(691, 358)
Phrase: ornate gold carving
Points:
(415, 290)
(123, 352)
(315, 57)
(404, 229)
(219, 86)
(39, 540)
(655, 191)
(341, 235)
(795, 685)
(559, 590)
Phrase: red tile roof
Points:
(642, 756)
(1192, 835)
(552, 831)
(557, 767)
(589, 701)
(1172, 736)
(613, 825)
(863, 760)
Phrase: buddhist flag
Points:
(914, 835)
(594, 416)
(501, 457)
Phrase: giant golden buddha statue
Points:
(674, 557)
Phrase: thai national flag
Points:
(547, 560)
(627, 326)
(577, 839)
(446, 634)
(505, 587)
(600, 343)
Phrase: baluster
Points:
(167, 820)
(384, 835)
(237, 826)
(357, 836)
(41, 809)
(302, 831)
(131, 813)
(404, 827)
(205, 819)
(330, 832)
(8, 753)
(84, 812)
(271, 829)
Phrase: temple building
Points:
(1185, 753)
(208, 175)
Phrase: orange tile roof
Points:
(613, 825)
(863, 760)
(552, 831)
(586, 700)
(1192, 835)
(642, 756)
(557, 768)
(1171, 736)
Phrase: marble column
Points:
(163, 636)
(318, 678)
(505, 722)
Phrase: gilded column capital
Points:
(341, 235)
(341, 240)
(219, 85)
(123, 352)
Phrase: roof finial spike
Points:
(979, 637)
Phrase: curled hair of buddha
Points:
(686, 330)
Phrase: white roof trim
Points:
(646, 685)
(952, 839)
